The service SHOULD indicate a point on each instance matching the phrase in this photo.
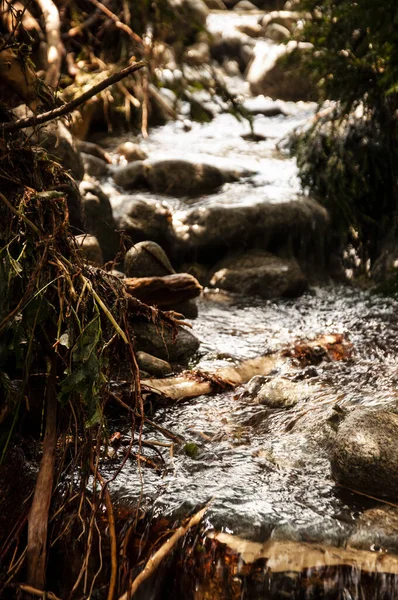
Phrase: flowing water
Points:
(266, 471)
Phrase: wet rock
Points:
(263, 106)
(98, 218)
(365, 454)
(184, 178)
(160, 343)
(147, 259)
(94, 166)
(259, 273)
(152, 365)
(188, 309)
(174, 177)
(131, 176)
(144, 219)
(274, 72)
(201, 233)
(131, 152)
(376, 530)
(279, 392)
(90, 249)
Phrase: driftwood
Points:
(296, 557)
(165, 292)
(193, 384)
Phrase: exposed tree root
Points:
(38, 516)
(162, 553)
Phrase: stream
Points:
(266, 471)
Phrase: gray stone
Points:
(365, 453)
(183, 178)
(147, 259)
(274, 71)
(281, 393)
(90, 249)
(159, 342)
(131, 176)
(131, 152)
(188, 309)
(94, 166)
(144, 219)
(201, 233)
(152, 365)
(98, 218)
(376, 530)
(259, 273)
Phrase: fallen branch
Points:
(65, 109)
(162, 553)
(191, 384)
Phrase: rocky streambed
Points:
(298, 463)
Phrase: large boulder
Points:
(259, 273)
(274, 71)
(132, 175)
(143, 219)
(365, 453)
(299, 226)
(98, 218)
(159, 341)
(184, 178)
(174, 177)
